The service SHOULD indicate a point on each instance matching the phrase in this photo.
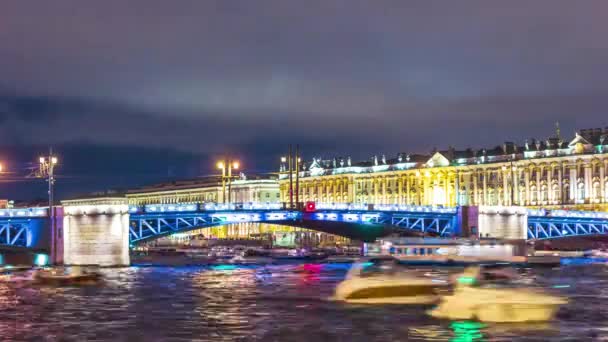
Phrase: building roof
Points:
(202, 182)
(592, 140)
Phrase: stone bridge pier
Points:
(96, 232)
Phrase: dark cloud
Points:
(205, 78)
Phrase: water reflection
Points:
(272, 303)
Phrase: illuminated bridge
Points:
(357, 222)
(100, 231)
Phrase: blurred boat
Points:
(380, 282)
(489, 295)
(341, 259)
(446, 252)
(74, 277)
(12, 269)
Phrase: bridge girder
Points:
(541, 228)
(364, 226)
(13, 232)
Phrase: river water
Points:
(273, 303)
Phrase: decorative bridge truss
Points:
(13, 232)
(146, 226)
(557, 227)
(442, 224)
(150, 225)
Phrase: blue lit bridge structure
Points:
(154, 221)
(24, 227)
(543, 224)
(28, 227)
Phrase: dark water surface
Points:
(274, 303)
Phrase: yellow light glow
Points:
(235, 165)
(417, 173)
(42, 160)
(220, 165)
(1, 168)
(283, 159)
(54, 160)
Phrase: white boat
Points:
(598, 254)
(441, 251)
(476, 297)
(365, 286)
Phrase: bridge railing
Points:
(24, 212)
(385, 207)
(560, 213)
(192, 207)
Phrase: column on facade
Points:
(505, 186)
(560, 199)
(527, 180)
(588, 180)
(408, 199)
(602, 181)
(539, 196)
(550, 194)
(351, 190)
(399, 181)
(484, 199)
(475, 198)
(515, 184)
(466, 179)
(573, 183)
(456, 189)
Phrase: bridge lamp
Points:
(283, 159)
(235, 165)
(54, 160)
(220, 165)
(1, 167)
(42, 160)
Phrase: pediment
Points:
(438, 159)
(578, 140)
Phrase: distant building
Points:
(548, 173)
(207, 190)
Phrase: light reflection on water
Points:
(274, 303)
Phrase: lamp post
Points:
(47, 169)
(227, 166)
(290, 164)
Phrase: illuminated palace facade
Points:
(207, 190)
(547, 173)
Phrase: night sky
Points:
(138, 91)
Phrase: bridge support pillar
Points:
(510, 223)
(467, 222)
(96, 232)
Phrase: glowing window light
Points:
(41, 260)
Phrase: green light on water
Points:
(467, 331)
(560, 286)
(466, 280)
(224, 268)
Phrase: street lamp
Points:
(47, 169)
(227, 166)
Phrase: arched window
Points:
(596, 194)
